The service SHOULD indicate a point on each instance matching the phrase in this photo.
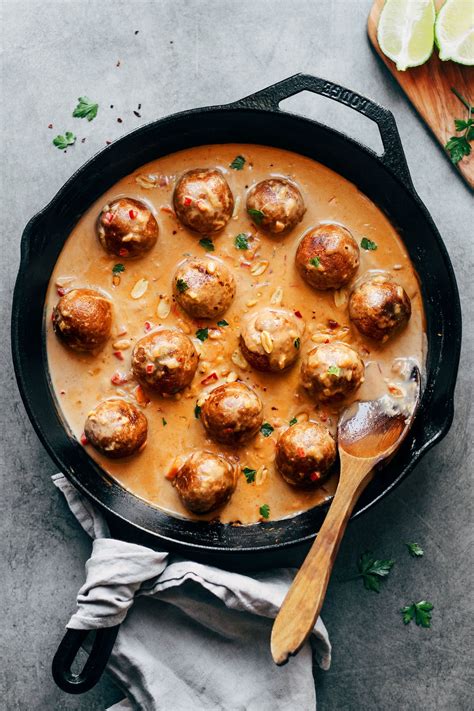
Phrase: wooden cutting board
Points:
(429, 89)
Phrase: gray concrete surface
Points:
(189, 53)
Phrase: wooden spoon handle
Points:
(303, 602)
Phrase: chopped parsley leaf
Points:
(293, 421)
(418, 611)
(62, 142)
(85, 109)
(334, 370)
(197, 412)
(222, 323)
(414, 550)
(296, 343)
(207, 244)
(264, 510)
(182, 285)
(202, 334)
(315, 262)
(266, 429)
(256, 215)
(117, 268)
(238, 163)
(249, 474)
(368, 244)
(164, 422)
(241, 241)
(373, 571)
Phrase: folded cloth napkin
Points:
(193, 637)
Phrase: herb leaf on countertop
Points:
(414, 550)
(460, 146)
(418, 611)
(85, 109)
(62, 142)
(373, 571)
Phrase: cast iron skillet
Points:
(254, 119)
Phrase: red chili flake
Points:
(147, 327)
(50, 125)
(300, 452)
(137, 114)
(83, 140)
(298, 314)
(324, 418)
(52, 315)
(150, 368)
(84, 439)
(139, 107)
(136, 32)
(245, 264)
(332, 323)
(314, 476)
(118, 379)
(172, 474)
(62, 392)
(109, 217)
(168, 209)
(188, 201)
(327, 340)
(210, 378)
(133, 214)
(119, 120)
(118, 63)
(141, 396)
(60, 291)
(123, 252)
(108, 142)
(118, 355)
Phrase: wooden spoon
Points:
(368, 432)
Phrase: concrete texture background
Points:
(186, 54)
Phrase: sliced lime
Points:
(406, 31)
(454, 31)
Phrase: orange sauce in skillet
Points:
(265, 275)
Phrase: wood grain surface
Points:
(429, 89)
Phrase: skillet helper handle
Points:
(94, 666)
(393, 156)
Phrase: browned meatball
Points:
(327, 257)
(204, 287)
(204, 480)
(331, 371)
(82, 318)
(116, 428)
(305, 454)
(379, 307)
(270, 339)
(276, 205)
(232, 414)
(165, 361)
(127, 228)
(203, 200)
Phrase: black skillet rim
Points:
(220, 533)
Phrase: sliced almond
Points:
(341, 298)
(232, 377)
(235, 214)
(277, 296)
(261, 475)
(214, 334)
(116, 280)
(266, 341)
(211, 267)
(139, 289)
(252, 302)
(259, 267)
(164, 307)
(395, 390)
(146, 181)
(319, 337)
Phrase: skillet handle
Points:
(393, 156)
(94, 666)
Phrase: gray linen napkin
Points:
(193, 637)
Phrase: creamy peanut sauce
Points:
(265, 275)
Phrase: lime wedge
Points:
(454, 31)
(406, 31)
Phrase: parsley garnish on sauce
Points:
(197, 412)
(334, 370)
(315, 262)
(238, 163)
(249, 474)
(202, 334)
(256, 215)
(418, 611)
(241, 241)
(460, 146)
(373, 571)
(296, 343)
(368, 244)
(415, 550)
(266, 429)
(85, 109)
(264, 511)
(207, 244)
(182, 285)
(117, 268)
(164, 422)
(222, 323)
(62, 142)
(293, 421)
